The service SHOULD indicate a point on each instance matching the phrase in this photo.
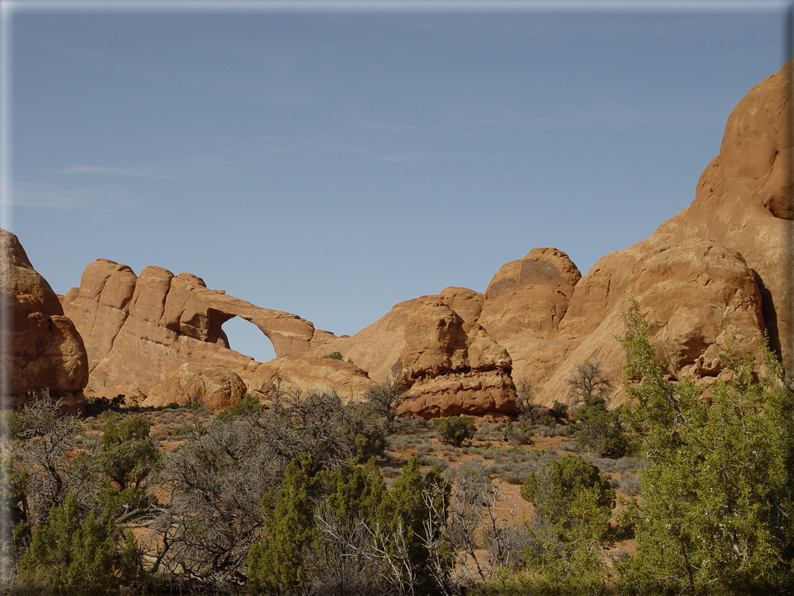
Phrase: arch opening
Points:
(246, 338)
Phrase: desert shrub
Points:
(69, 555)
(598, 428)
(518, 434)
(248, 406)
(277, 564)
(400, 442)
(423, 450)
(218, 478)
(389, 472)
(369, 441)
(435, 462)
(573, 504)
(561, 482)
(335, 356)
(127, 452)
(454, 430)
(511, 477)
(410, 426)
(342, 531)
(630, 483)
(484, 430)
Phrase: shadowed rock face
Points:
(139, 329)
(44, 349)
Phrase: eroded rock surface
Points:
(717, 270)
(138, 330)
(45, 351)
(446, 360)
(210, 385)
(308, 374)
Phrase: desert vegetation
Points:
(684, 492)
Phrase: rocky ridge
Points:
(715, 273)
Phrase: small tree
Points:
(573, 504)
(72, 556)
(589, 381)
(453, 430)
(385, 399)
(278, 562)
(598, 428)
(127, 453)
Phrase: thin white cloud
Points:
(36, 195)
(109, 172)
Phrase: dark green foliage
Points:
(355, 492)
(248, 407)
(369, 441)
(15, 529)
(335, 356)
(519, 433)
(69, 555)
(277, 564)
(453, 430)
(405, 513)
(599, 429)
(716, 514)
(127, 453)
(559, 484)
(559, 410)
(573, 504)
(385, 530)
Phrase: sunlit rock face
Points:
(138, 330)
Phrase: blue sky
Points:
(332, 162)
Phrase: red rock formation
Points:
(309, 374)
(140, 329)
(720, 267)
(210, 385)
(43, 349)
(449, 364)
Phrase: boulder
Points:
(210, 385)
(310, 374)
(45, 350)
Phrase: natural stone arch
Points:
(140, 329)
(246, 338)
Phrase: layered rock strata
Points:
(447, 361)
